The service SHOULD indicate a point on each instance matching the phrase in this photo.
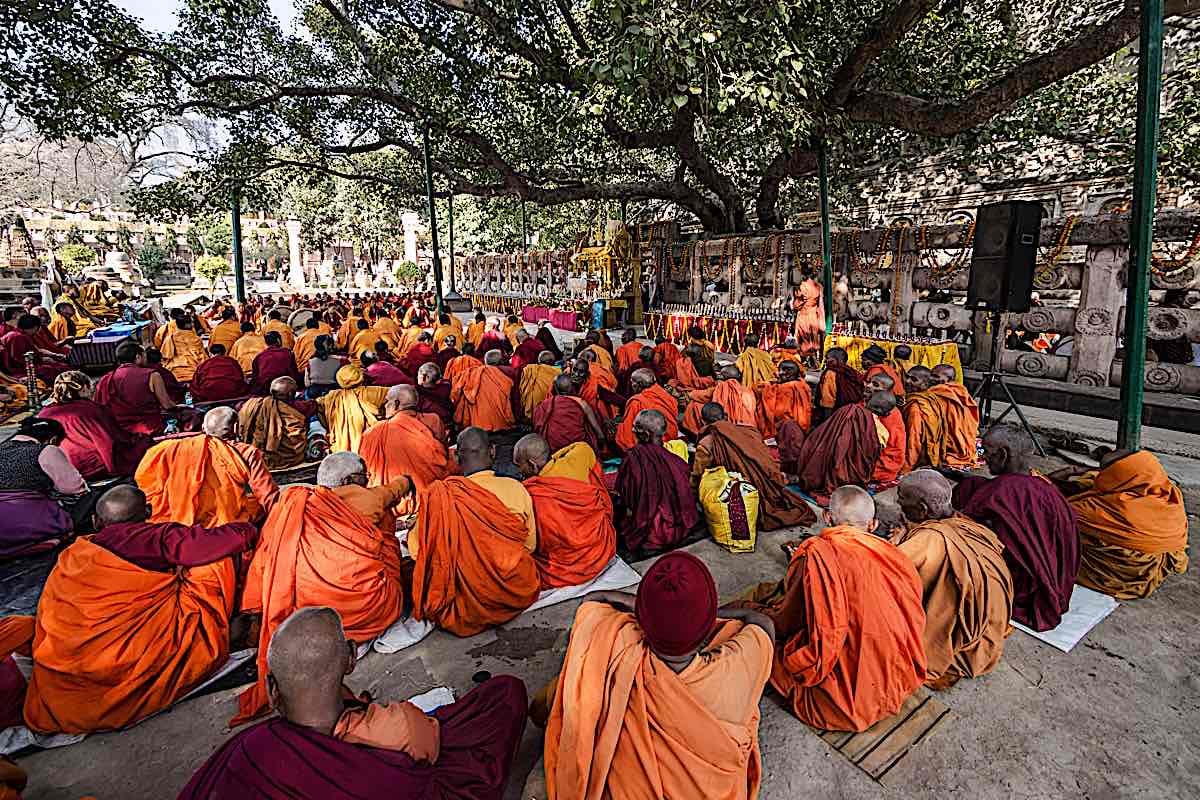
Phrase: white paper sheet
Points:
(617, 575)
(403, 633)
(434, 699)
(1087, 610)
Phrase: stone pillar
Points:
(411, 221)
(295, 255)
(1100, 301)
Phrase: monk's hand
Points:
(622, 601)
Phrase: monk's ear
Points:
(274, 696)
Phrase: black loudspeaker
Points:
(1005, 255)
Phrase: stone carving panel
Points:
(1094, 321)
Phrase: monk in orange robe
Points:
(247, 348)
(537, 381)
(740, 404)
(942, 423)
(306, 343)
(756, 365)
(207, 479)
(475, 330)
(629, 352)
(405, 446)
(364, 340)
(474, 563)
(649, 396)
(788, 400)
(666, 356)
(659, 693)
(598, 384)
(349, 328)
(227, 331)
(894, 450)
(275, 324)
(874, 362)
(316, 549)
(687, 376)
(388, 331)
(849, 620)
(482, 398)
(349, 410)
(576, 537)
(277, 425)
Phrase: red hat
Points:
(677, 604)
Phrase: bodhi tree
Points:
(716, 108)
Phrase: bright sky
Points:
(160, 14)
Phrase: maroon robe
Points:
(175, 390)
(417, 356)
(436, 400)
(163, 546)
(526, 353)
(95, 443)
(13, 348)
(275, 759)
(1037, 527)
(656, 506)
(126, 392)
(445, 356)
(561, 420)
(848, 382)
(218, 378)
(491, 341)
(841, 451)
(381, 373)
(272, 363)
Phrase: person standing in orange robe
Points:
(576, 537)
(210, 478)
(659, 693)
(849, 620)
(788, 400)
(740, 404)
(482, 398)
(404, 446)
(316, 549)
(648, 396)
(630, 350)
(808, 302)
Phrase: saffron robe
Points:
(537, 380)
(757, 367)
(576, 537)
(740, 405)
(182, 352)
(482, 398)
(202, 480)
(780, 402)
(277, 429)
(654, 398)
(347, 413)
(404, 446)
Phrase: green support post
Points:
(239, 268)
(1141, 224)
(433, 224)
(826, 243)
(450, 214)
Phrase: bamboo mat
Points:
(885, 744)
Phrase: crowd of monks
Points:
(462, 472)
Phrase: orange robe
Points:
(182, 352)
(537, 380)
(655, 398)
(283, 329)
(627, 355)
(780, 402)
(364, 342)
(203, 480)
(894, 451)
(115, 643)
(472, 569)
(225, 334)
(246, 349)
(687, 379)
(603, 357)
(576, 537)
(741, 407)
(460, 366)
(279, 431)
(942, 426)
(306, 348)
(598, 377)
(404, 446)
(388, 331)
(624, 725)
(474, 333)
(483, 398)
(891, 372)
(315, 550)
(408, 338)
(347, 332)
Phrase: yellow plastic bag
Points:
(730, 508)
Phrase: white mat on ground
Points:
(1087, 609)
(434, 699)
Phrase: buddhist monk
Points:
(15, 344)
(182, 349)
(656, 508)
(155, 601)
(874, 362)
(659, 692)
(321, 746)
(564, 418)
(349, 410)
(247, 348)
(474, 567)
(740, 448)
(135, 394)
(408, 444)
(893, 445)
(849, 622)
(740, 404)
(1032, 521)
(227, 331)
(218, 377)
(483, 399)
(176, 390)
(277, 361)
(630, 350)
(380, 371)
(276, 425)
(840, 384)
(756, 364)
(967, 589)
(602, 355)
(419, 354)
(1132, 526)
(844, 450)
(492, 338)
(537, 381)
(95, 442)
(207, 479)
(62, 327)
(434, 394)
(787, 350)
(317, 547)
(275, 324)
(512, 326)
(705, 351)
(364, 339)
(447, 325)
(306, 343)
(546, 337)
(954, 422)
(785, 407)
(527, 350)
(576, 538)
(666, 355)
(687, 376)
(349, 328)
(648, 395)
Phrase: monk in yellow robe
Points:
(448, 325)
(475, 330)
(347, 412)
(247, 348)
(94, 300)
(537, 380)
(941, 424)
(388, 331)
(276, 324)
(227, 331)
(512, 324)
(349, 328)
(182, 351)
(306, 343)
(364, 340)
(756, 365)
(275, 425)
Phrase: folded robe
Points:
(561, 420)
(197, 480)
(483, 398)
(472, 569)
(576, 461)
(841, 451)
(347, 413)
(275, 428)
(404, 446)
(892, 454)
(115, 643)
(967, 595)
(656, 504)
(536, 382)
(316, 550)
(654, 398)
(1041, 546)
(780, 402)
(665, 357)
(624, 725)
(576, 538)
(740, 448)
(739, 403)
(1132, 528)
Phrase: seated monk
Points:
(276, 361)
(349, 410)
(1132, 526)
(687, 376)
(546, 337)
(666, 356)
(941, 420)
(247, 348)
(756, 365)
(740, 448)
(536, 382)
(420, 354)
(322, 746)
(349, 329)
(597, 385)
(227, 331)
(785, 410)
(704, 350)
(306, 343)
(892, 442)
(527, 350)
(849, 622)
(659, 692)
(210, 478)
(62, 327)
(961, 416)
(181, 348)
(364, 340)
(275, 324)
(96, 445)
(448, 351)
(15, 344)
(843, 450)
(740, 404)
(447, 326)
(645, 360)
(155, 601)
(277, 425)
(967, 588)
(474, 567)
(874, 362)
(318, 548)
(407, 444)
(175, 389)
(840, 383)
(576, 538)
(135, 394)
(630, 351)
(563, 418)
(434, 395)
(482, 398)
(788, 350)
(655, 507)
(592, 343)
(492, 338)
(380, 371)
(1033, 522)
(648, 395)
(218, 377)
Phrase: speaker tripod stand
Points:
(995, 377)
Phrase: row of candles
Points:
(727, 312)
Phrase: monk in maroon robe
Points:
(526, 352)
(656, 507)
(563, 418)
(840, 383)
(15, 344)
(95, 444)
(276, 361)
(447, 353)
(842, 451)
(135, 394)
(218, 377)
(382, 373)
(433, 395)
(419, 355)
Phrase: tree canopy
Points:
(715, 108)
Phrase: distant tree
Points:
(75, 258)
(407, 273)
(210, 268)
(151, 259)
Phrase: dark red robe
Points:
(417, 356)
(381, 373)
(95, 443)
(841, 451)
(561, 421)
(526, 353)
(126, 393)
(218, 378)
(272, 363)
(436, 400)
(656, 506)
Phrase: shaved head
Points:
(493, 358)
(881, 403)
(925, 494)
(1007, 449)
(284, 388)
(730, 372)
(546, 357)
(650, 426)
(563, 384)
(879, 382)
(522, 335)
(642, 379)
(917, 379)
(308, 657)
(944, 373)
(530, 454)
(712, 412)
(221, 422)
(851, 505)
(122, 504)
(428, 374)
(340, 469)
(588, 356)
(402, 397)
(474, 450)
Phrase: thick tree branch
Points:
(800, 160)
(882, 34)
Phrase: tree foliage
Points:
(210, 268)
(151, 259)
(75, 258)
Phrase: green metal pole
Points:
(1141, 224)
(826, 244)
(239, 269)
(450, 211)
(433, 224)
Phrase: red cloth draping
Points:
(726, 334)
